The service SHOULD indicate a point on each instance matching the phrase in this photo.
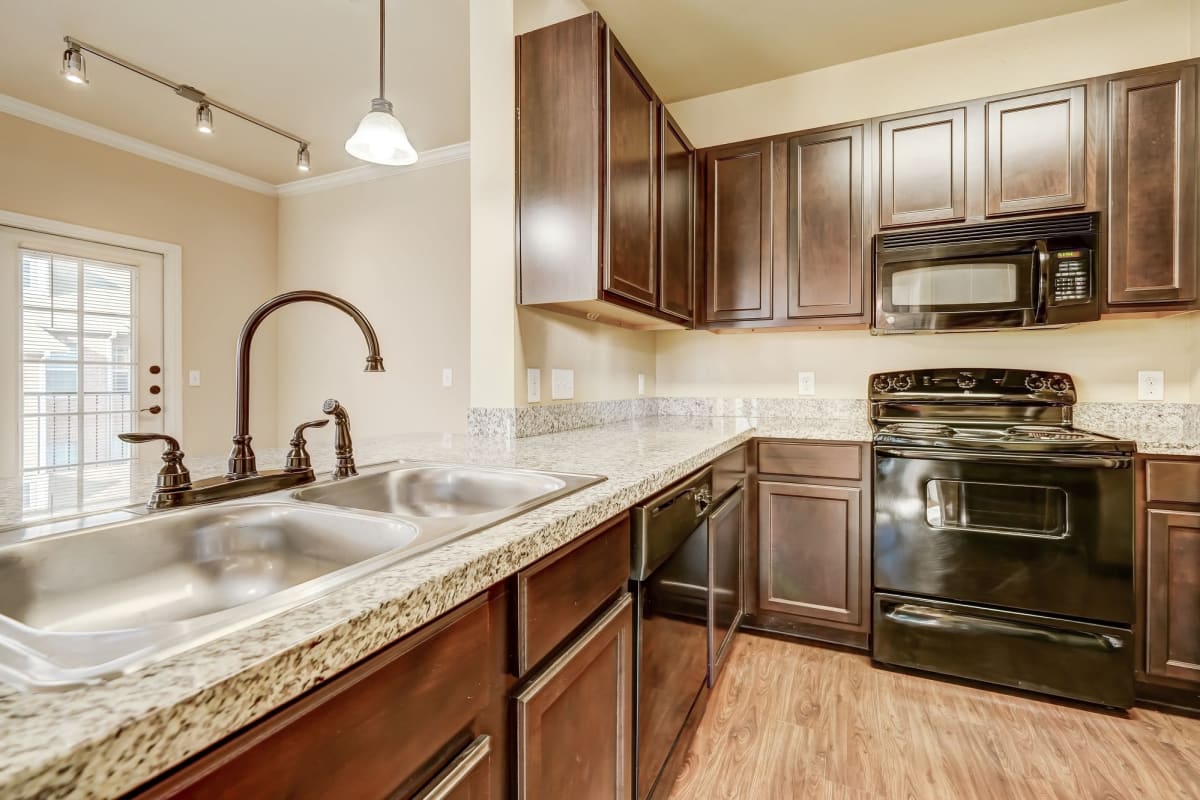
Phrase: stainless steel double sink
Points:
(90, 604)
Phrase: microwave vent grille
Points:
(1043, 228)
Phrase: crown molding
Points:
(372, 172)
(106, 136)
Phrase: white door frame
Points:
(172, 256)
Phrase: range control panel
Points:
(1070, 277)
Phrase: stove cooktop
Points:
(960, 435)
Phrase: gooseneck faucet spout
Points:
(241, 459)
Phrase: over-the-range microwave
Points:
(1032, 273)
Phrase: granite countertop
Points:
(103, 740)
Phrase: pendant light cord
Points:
(382, 48)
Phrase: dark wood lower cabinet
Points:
(1173, 599)
(574, 720)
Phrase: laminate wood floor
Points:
(789, 720)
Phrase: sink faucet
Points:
(175, 487)
(242, 463)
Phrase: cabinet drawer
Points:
(837, 461)
(728, 471)
(558, 594)
(1172, 481)
(378, 730)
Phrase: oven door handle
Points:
(1041, 256)
(1030, 459)
(918, 616)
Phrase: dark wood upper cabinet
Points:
(825, 256)
(1152, 205)
(1036, 152)
(630, 268)
(738, 251)
(923, 168)
(677, 234)
(575, 719)
(1173, 601)
(590, 162)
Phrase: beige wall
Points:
(1110, 38)
(398, 248)
(228, 236)
(1104, 356)
(606, 359)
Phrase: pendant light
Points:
(380, 138)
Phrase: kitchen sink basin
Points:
(424, 491)
(81, 603)
(97, 602)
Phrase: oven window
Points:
(996, 508)
(960, 286)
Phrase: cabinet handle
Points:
(457, 770)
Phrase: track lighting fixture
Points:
(74, 69)
(204, 118)
(381, 138)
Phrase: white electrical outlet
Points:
(807, 383)
(1150, 384)
(533, 385)
(641, 383)
(194, 377)
(447, 377)
(562, 384)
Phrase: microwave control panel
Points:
(1071, 277)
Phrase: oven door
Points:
(964, 291)
(1042, 533)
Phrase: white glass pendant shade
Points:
(74, 68)
(381, 138)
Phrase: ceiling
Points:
(307, 66)
(689, 48)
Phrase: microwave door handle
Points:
(1041, 254)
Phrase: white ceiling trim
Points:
(371, 172)
(121, 141)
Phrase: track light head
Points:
(74, 68)
(302, 158)
(204, 122)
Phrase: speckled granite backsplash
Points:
(1156, 427)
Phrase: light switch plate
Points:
(447, 377)
(562, 384)
(1150, 384)
(194, 377)
(533, 385)
(641, 383)
(807, 383)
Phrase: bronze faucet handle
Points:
(174, 473)
(298, 459)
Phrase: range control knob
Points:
(881, 383)
(1060, 383)
(902, 382)
(1035, 382)
(966, 381)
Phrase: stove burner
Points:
(919, 429)
(1044, 433)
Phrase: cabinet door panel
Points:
(630, 269)
(1037, 151)
(825, 243)
(1173, 602)
(738, 208)
(922, 160)
(464, 778)
(677, 220)
(575, 719)
(1152, 188)
(809, 550)
(726, 537)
